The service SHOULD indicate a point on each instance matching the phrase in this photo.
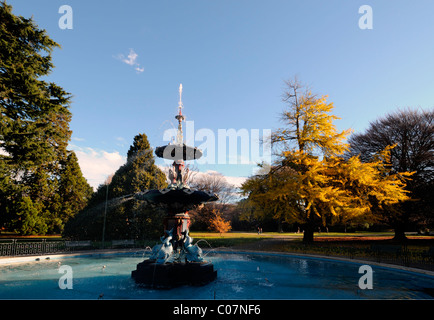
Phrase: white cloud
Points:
(139, 70)
(235, 181)
(131, 60)
(97, 165)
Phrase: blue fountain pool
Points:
(240, 276)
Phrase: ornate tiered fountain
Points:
(176, 261)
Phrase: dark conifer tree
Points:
(74, 191)
(34, 128)
(126, 218)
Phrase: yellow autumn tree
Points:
(218, 224)
(308, 125)
(311, 183)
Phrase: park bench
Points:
(123, 243)
(78, 244)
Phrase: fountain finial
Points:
(180, 99)
(180, 118)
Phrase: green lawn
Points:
(322, 241)
(362, 235)
(236, 234)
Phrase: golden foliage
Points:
(218, 224)
(313, 180)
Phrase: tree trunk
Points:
(308, 233)
(400, 233)
(279, 226)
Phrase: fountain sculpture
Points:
(176, 261)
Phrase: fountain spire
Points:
(180, 117)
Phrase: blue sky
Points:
(232, 57)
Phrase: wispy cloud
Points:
(120, 141)
(131, 60)
(139, 70)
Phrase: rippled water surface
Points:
(239, 276)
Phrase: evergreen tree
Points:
(34, 128)
(140, 172)
(34, 113)
(74, 191)
(126, 218)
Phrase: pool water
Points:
(239, 276)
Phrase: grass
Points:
(353, 245)
(254, 236)
(241, 234)
(227, 235)
(230, 239)
(12, 235)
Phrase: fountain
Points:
(176, 261)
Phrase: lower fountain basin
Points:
(169, 275)
(240, 276)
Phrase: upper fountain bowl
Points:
(178, 152)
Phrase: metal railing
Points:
(15, 247)
(389, 254)
(18, 247)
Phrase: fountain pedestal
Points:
(179, 222)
